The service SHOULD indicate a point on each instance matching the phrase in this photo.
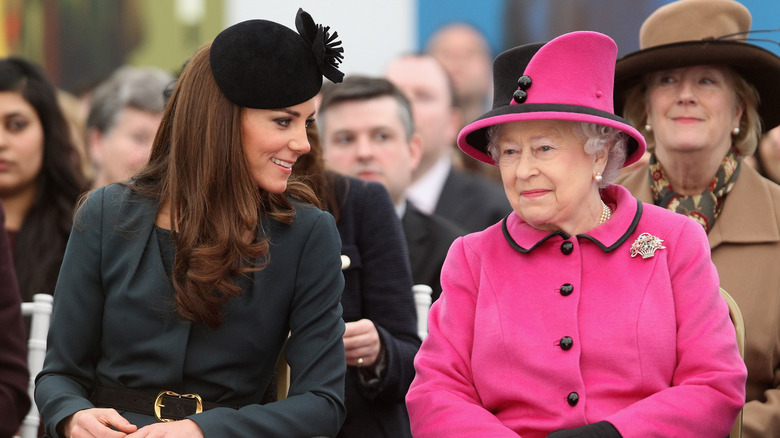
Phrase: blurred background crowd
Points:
(81, 42)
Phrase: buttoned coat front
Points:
(539, 331)
(745, 243)
(114, 324)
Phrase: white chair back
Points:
(40, 311)
(422, 299)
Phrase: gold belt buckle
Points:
(158, 404)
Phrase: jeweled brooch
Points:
(646, 245)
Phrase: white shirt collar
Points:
(400, 209)
(425, 192)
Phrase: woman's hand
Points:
(97, 422)
(361, 341)
(175, 429)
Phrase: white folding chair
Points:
(40, 311)
(422, 301)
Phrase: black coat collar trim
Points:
(566, 236)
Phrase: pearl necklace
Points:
(606, 213)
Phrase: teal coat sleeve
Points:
(113, 324)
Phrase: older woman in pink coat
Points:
(584, 313)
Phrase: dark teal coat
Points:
(114, 323)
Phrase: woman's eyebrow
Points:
(293, 112)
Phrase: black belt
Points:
(163, 405)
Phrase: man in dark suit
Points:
(468, 199)
(368, 132)
(429, 238)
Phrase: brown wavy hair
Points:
(197, 168)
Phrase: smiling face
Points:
(21, 145)
(548, 176)
(272, 142)
(693, 109)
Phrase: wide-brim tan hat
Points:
(702, 32)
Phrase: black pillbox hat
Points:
(265, 65)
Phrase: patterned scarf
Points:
(704, 208)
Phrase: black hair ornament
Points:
(327, 50)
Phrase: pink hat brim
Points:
(477, 129)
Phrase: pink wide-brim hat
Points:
(570, 79)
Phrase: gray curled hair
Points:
(141, 88)
(595, 138)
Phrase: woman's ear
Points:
(95, 146)
(600, 160)
(739, 114)
(415, 151)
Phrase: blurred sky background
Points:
(80, 42)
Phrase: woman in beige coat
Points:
(694, 89)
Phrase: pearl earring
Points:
(648, 128)
(735, 131)
(598, 177)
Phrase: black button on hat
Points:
(524, 82)
(573, 398)
(566, 289)
(567, 247)
(566, 343)
(520, 96)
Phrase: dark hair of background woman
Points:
(40, 242)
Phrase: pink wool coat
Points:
(536, 332)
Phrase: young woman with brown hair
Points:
(179, 288)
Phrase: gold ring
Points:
(360, 362)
